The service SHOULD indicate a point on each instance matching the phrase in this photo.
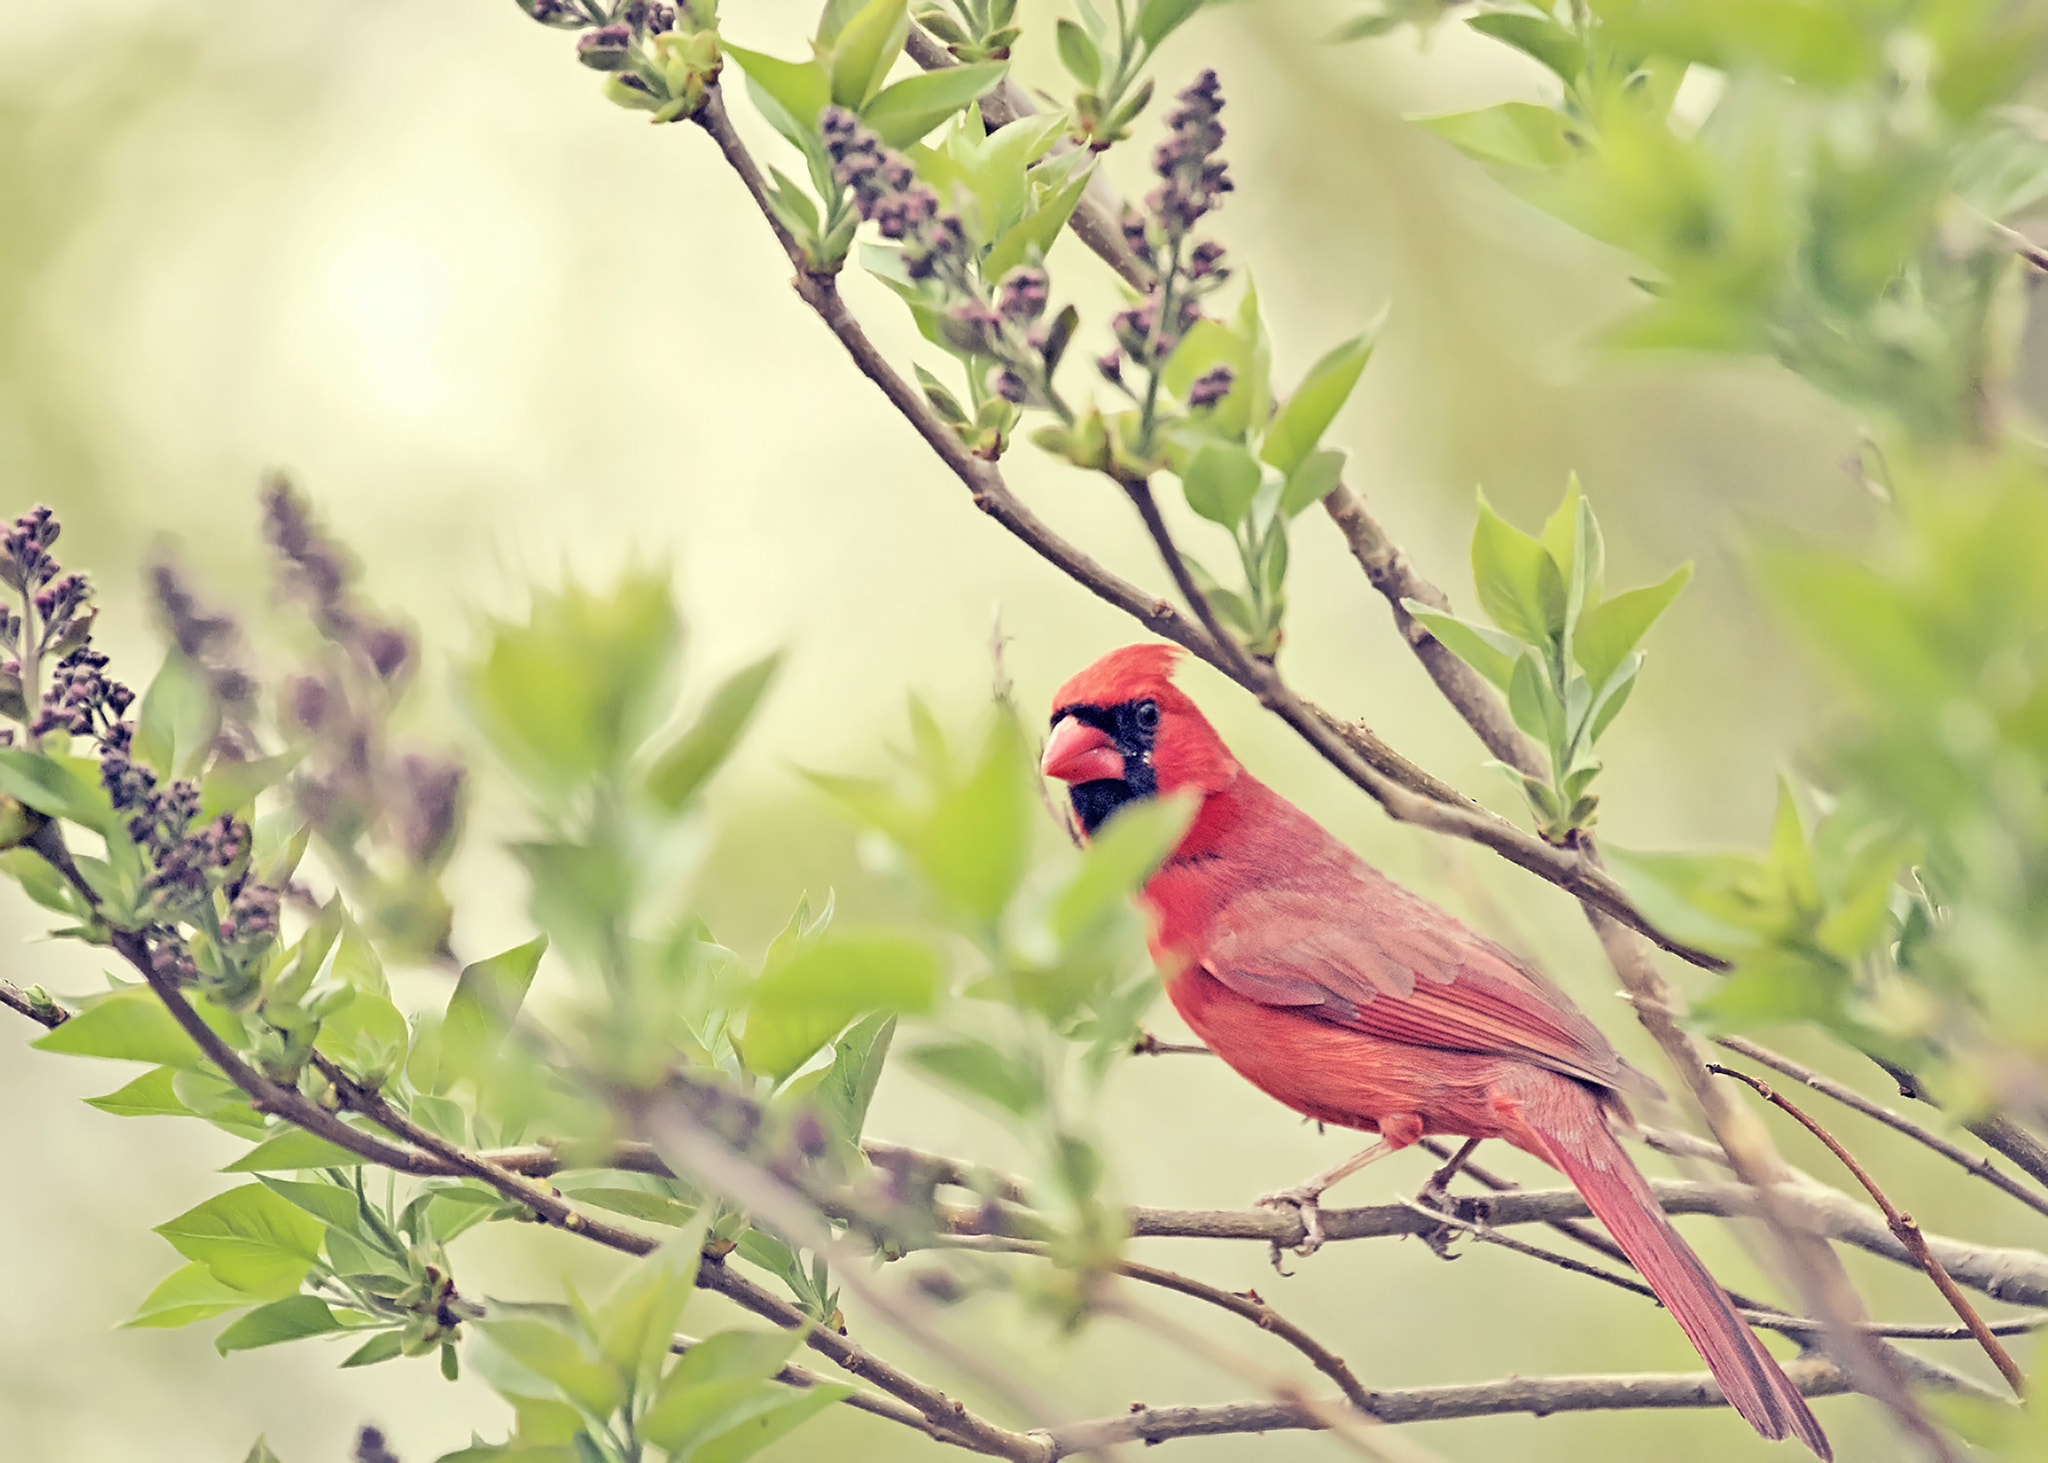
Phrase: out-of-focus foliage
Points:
(1825, 184)
(1835, 185)
(577, 702)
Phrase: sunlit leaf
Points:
(679, 772)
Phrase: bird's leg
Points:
(1304, 1198)
(1436, 1194)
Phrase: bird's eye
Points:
(1147, 715)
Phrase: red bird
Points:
(1330, 987)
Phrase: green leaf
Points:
(293, 1149)
(800, 88)
(863, 52)
(291, 1319)
(975, 845)
(1518, 582)
(905, 111)
(1535, 35)
(1791, 859)
(780, 1414)
(132, 1025)
(805, 999)
(368, 1036)
(542, 1352)
(175, 726)
(1078, 54)
(1533, 703)
(1310, 480)
(638, 1321)
(384, 1346)
(148, 1096)
(1489, 652)
(1038, 229)
(1613, 697)
(637, 1204)
(980, 1070)
(63, 787)
(231, 786)
(687, 765)
(1123, 854)
(575, 690)
(1158, 19)
(719, 1385)
(1515, 134)
(1308, 413)
(250, 1238)
(259, 1452)
(1611, 629)
(189, 1293)
(485, 1003)
(42, 883)
(1221, 481)
(331, 1204)
(857, 1061)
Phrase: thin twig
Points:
(46, 1013)
(1901, 1224)
(1974, 1163)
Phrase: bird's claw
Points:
(1435, 1196)
(1303, 1201)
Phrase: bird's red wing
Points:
(1367, 954)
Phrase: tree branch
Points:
(2016, 1276)
(1902, 1226)
(1540, 1396)
(1849, 1097)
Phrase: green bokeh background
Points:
(502, 331)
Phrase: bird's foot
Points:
(1303, 1200)
(1437, 1197)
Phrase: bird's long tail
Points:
(1581, 1144)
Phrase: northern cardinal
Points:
(1355, 1002)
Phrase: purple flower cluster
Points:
(351, 783)
(25, 560)
(82, 699)
(1008, 330)
(1211, 387)
(888, 194)
(318, 570)
(1193, 180)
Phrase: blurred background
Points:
(501, 330)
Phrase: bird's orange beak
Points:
(1078, 752)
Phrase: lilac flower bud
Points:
(809, 1135)
(606, 48)
(972, 326)
(1010, 386)
(309, 701)
(1023, 293)
(388, 650)
(1111, 365)
(1205, 261)
(1211, 387)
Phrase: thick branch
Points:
(1540, 1396)
(2017, 1276)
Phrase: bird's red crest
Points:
(1124, 675)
